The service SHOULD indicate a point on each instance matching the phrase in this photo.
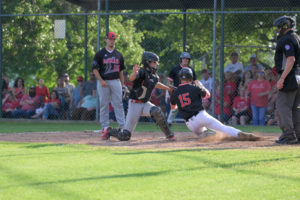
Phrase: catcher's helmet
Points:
(148, 57)
(186, 73)
(185, 55)
(284, 22)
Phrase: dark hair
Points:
(4, 85)
(16, 82)
(56, 93)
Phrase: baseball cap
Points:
(111, 35)
(65, 74)
(32, 87)
(253, 56)
(79, 78)
(234, 54)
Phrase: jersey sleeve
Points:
(97, 61)
(141, 74)
(122, 65)
(173, 98)
(289, 49)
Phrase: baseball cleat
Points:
(171, 138)
(105, 131)
(247, 136)
(287, 139)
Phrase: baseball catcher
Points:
(188, 98)
(144, 79)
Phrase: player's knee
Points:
(124, 135)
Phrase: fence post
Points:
(222, 63)
(1, 58)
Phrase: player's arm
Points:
(204, 90)
(173, 102)
(290, 60)
(134, 73)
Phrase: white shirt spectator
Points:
(234, 67)
(207, 83)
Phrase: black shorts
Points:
(244, 113)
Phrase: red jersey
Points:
(255, 87)
(227, 109)
(42, 92)
(10, 105)
(229, 88)
(20, 95)
(240, 103)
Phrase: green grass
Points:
(49, 171)
(60, 171)
(19, 126)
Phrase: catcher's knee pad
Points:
(161, 121)
(156, 113)
(124, 135)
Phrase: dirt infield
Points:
(141, 140)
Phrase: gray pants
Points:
(111, 93)
(135, 110)
(288, 107)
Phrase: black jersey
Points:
(173, 76)
(188, 99)
(288, 45)
(108, 64)
(143, 85)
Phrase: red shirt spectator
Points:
(240, 103)
(256, 87)
(42, 91)
(226, 105)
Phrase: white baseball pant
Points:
(198, 124)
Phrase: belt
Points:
(136, 101)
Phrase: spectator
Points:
(76, 96)
(89, 86)
(19, 88)
(235, 67)
(253, 61)
(64, 96)
(206, 80)
(247, 77)
(86, 108)
(254, 71)
(70, 88)
(28, 105)
(259, 90)
(241, 108)
(42, 91)
(9, 104)
(51, 108)
(226, 105)
(229, 85)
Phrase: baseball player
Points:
(144, 79)
(188, 97)
(173, 79)
(108, 66)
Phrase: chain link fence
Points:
(48, 48)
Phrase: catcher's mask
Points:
(283, 23)
(150, 57)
